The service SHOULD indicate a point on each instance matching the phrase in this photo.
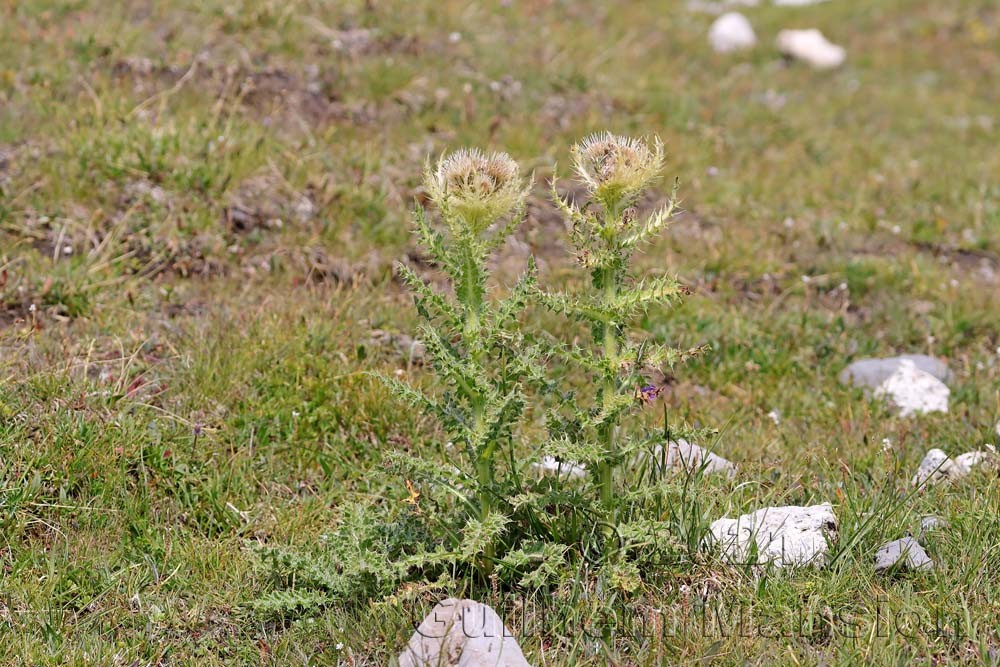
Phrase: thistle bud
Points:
(476, 187)
(617, 168)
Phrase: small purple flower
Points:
(648, 393)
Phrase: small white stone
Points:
(710, 7)
(970, 460)
(692, 458)
(549, 464)
(731, 32)
(810, 46)
(936, 466)
(462, 633)
(782, 536)
(913, 391)
(930, 523)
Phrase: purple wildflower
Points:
(648, 393)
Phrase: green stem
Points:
(473, 301)
(608, 433)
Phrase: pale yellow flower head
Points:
(477, 187)
(617, 168)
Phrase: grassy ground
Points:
(200, 205)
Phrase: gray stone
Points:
(905, 553)
(462, 633)
(782, 536)
(692, 458)
(870, 373)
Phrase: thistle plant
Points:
(605, 233)
(483, 511)
(474, 349)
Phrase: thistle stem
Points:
(608, 432)
(472, 299)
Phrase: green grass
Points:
(174, 387)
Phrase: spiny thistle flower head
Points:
(479, 188)
(617, 168)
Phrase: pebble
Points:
(731, 32)
(930, 523)
(905, 553)
(692, 458)
(549, 464)
(810, 46)
(937, 466)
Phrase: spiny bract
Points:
(617, 168)
(479, 188)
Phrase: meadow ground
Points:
(200, 206)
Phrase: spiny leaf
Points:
(568, 449)
(519, 297)
(290, 602)
(631, 302)
(479, 534)
(452, 366)
(612, 411)
(433, 242)
(655, 223)
(414, 397)
(579, 307)
(432, 303)
(498, 419)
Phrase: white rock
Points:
(784, 536)
(462, 633)
(796, 3)
(549, 464)
(719, 6)
(870, 373)
(931, 523)
(731, 32)
(692, 458)
(913, 391)
(811, 47)
(970, 460)
(937, 467)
